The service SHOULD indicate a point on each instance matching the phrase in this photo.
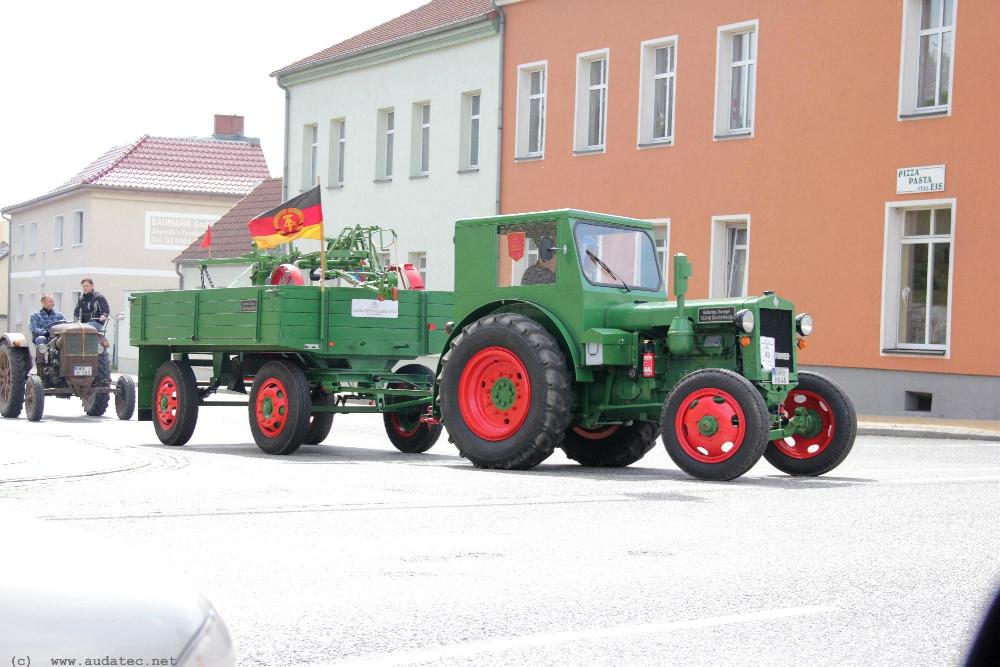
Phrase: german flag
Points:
(298, 218)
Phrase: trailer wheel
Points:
(280, 404)
(96, 404)
(405, 430)
(320, 423)
(14, 365)
(34, 398)
(175, 403)
(124, 397)
(505, 392)
(833, 426)
(612, 446)
(715, 424)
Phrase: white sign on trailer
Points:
(911, 180)
(372, 308)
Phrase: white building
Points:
(400, 126)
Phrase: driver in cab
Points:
(44, 318)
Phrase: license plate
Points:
(779, 376)
(83, 371)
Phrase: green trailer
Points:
(559, 335)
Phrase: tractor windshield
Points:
(617, 256)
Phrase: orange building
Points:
(834, 151)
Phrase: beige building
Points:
(123, 219)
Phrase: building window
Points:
(591, 100)
(57, 233)
(469, 141)
(20, 312)
(32, 306)
(918, 261)
(657, 91)
(928, 50)
(737, 80)
(730, 260)
(33, 238)
(661, 238)
(58, 296)
(421, 139)
(76, 298)
(419, 262)
(18, 233)
(338, 141)
(77, 228)
(386, 141)
(531, 102)
(310, 156)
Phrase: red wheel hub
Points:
(710, 425)
(272, 407)
(494, 393)
(405, 429)
(599, 433)
(806, 446)
(166, 403)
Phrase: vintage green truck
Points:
(559, 334)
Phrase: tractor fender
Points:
(540, 314)
(15, 340)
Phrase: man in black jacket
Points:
(92, 308)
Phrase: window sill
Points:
(529, 158)
(589, 151)
(930, 113)
(469, 170)
(338, 186)
(418, 177)
(385, 179)
(655, 144)
(734, 135)
(915, 352)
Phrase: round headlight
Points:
(745, 321)
(804, 324)
(43, 349)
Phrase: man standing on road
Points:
(92, 308)
(44, 318)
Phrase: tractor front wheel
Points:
(505, 392)
(715, 424)
(280, 405)
(175, 403)
(96, 404)
(124, 397)
(612, 446)
(34, 398)
(830, 428)
(14, 365)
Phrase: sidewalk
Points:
(929, 427)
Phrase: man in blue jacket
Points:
(44, 318)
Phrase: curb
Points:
(935, 433)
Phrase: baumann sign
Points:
(911, 180)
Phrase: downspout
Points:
(503, 24)
(284, 166)
(10, 263)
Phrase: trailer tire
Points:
(616, 446)
(830, 445)
(95, 404)
(405, 430)
(320, 423)
(34, 398)
(280, 403)
(15, 362)
(124, 397)
(505, 392)
(174, 403)
(722, 438)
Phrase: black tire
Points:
(405, 430)
(535, 427)
(124, 397)
(621, 446)
(742, 455)
(320, 423)
(34, 398)
(281, 428)
(96, 404)
(175, 408)
(844, 427)
(15, 362)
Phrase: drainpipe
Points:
(284, 166)
(503, 24)
(10, 263)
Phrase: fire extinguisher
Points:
(648, 361)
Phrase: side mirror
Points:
(546, 249)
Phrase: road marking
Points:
(468, 649)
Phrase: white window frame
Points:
(888, 327)
(58, 232)
(420, 153)
(385, 157)
(581, 116)
(723, 80)
(338, 144)
(78, 216)
(58, 297)
(663, 223)
(720, 226)
(18, 240)
(32, 238)
(466, 143)
(310, 155)
(524, 98)
(647, 92)
(909, 63)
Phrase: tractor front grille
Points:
(778, 325)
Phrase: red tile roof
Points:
(230, 236)
(174, 165)
(435, 15)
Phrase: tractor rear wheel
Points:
(124, 397)
(832, 426)
(612, 446)
(175, 403)
(96, 404)
(34, 398)
(280, 404)
(405, 430)
(715, 424)
(14, 365)
(505, 392)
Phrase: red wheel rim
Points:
(166, 403)
(710, 425)
(272, 407)
(800, 446)
(494, 393)
(599, 433)
(402, 429)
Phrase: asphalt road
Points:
(350, 552)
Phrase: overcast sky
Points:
(77, 78)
